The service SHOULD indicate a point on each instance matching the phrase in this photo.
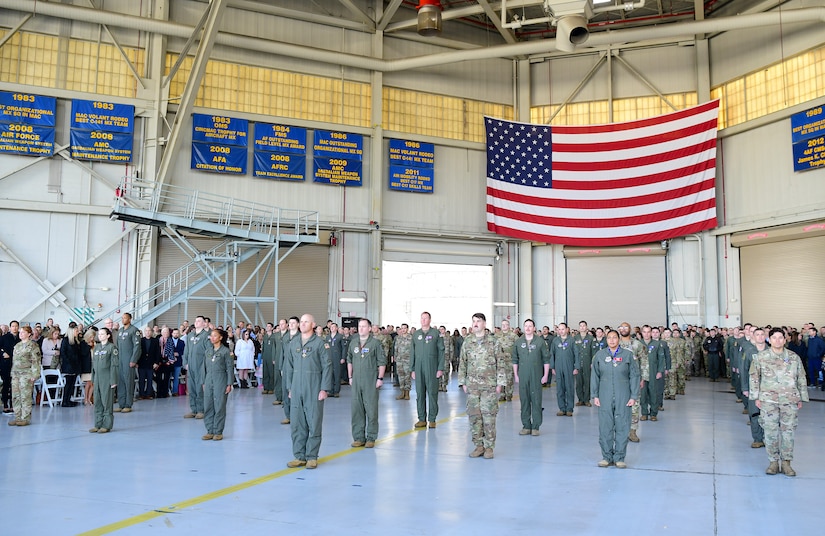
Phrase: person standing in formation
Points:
(308, 378)
(194, 352)
(427, 365)
(401, 354)
(366, 364)
(531, 367)
(219, 374)
(615, 384)
(105, 372)
(482, 375)
(778, 385)
(25, 369)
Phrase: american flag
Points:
(606, 185)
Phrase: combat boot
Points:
(787, 470)
(772, 469)
(488, 455)
(633, 437)
(401, 395)
(477, 452)
(407, 394)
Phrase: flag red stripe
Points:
(633, 143)
(599, 203)
(642, 180)
(667, 156)
(603, 242)
(593, 223)
(631, 125)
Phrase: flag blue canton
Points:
(519, 153)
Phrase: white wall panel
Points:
(759, 182)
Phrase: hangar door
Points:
(614, 285)
(303, 285)
(782, 281)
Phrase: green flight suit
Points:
(105, 366)
(286, 340)
(614, 381)
(197, 344)
(365, 360)
(307, 372)
(219, 374)
(585, 345)
(426, 360)
(656, 365)
(268, 348)
(530, 358)
(564, 359)
(129, 351)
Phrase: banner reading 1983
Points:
(102, 131)
(27, 124)
(337, 157)
(808, 139)
(219, 144)
(280, 152)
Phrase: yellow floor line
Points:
(177, 507)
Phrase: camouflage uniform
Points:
(676, 378)
(449, 350)
(104, 376)
(481, 368)
(25, 369)
(779, 383)
(402, 360)
(507, 340)
(637, 348)
(585, 345)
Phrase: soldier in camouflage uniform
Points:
(25, 369)
(779, 386)
(401, 353)
(639, 351)
(507, 338)
(481, 373)
(675, 384)
(449, 351)
(584, 340)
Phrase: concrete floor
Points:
(693, 473)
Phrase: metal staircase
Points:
(175, 210)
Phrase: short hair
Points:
(775, 330)
(295, 318)
(480, 316)
(27, 329)
(529, 320)
(613, 331)
(367, 320)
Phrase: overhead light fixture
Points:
(429, 17)
(352, 300)
(504, 304)
(571, 31)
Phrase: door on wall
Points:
(614, 285)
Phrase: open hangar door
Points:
(449, 279)
(608, 286)
(782, 275)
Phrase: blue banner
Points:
(338, 144)
(29, 140)
(106, 116)
(807, 124)
(340, 171)
(101, 146)
(219, 158)
(27, 109)
(809, 154)
(285, 167)
(220, 129)
(412, 154)
(280, 138)
(411, 179)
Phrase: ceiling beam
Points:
(494, 18)
(355, 10)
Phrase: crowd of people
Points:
(626, 372)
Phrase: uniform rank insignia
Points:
(524, 345)
(607, 359)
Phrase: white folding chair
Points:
(77, 393)
(51, 380)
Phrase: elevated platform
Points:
(193, 211)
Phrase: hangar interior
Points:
(361, 67)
